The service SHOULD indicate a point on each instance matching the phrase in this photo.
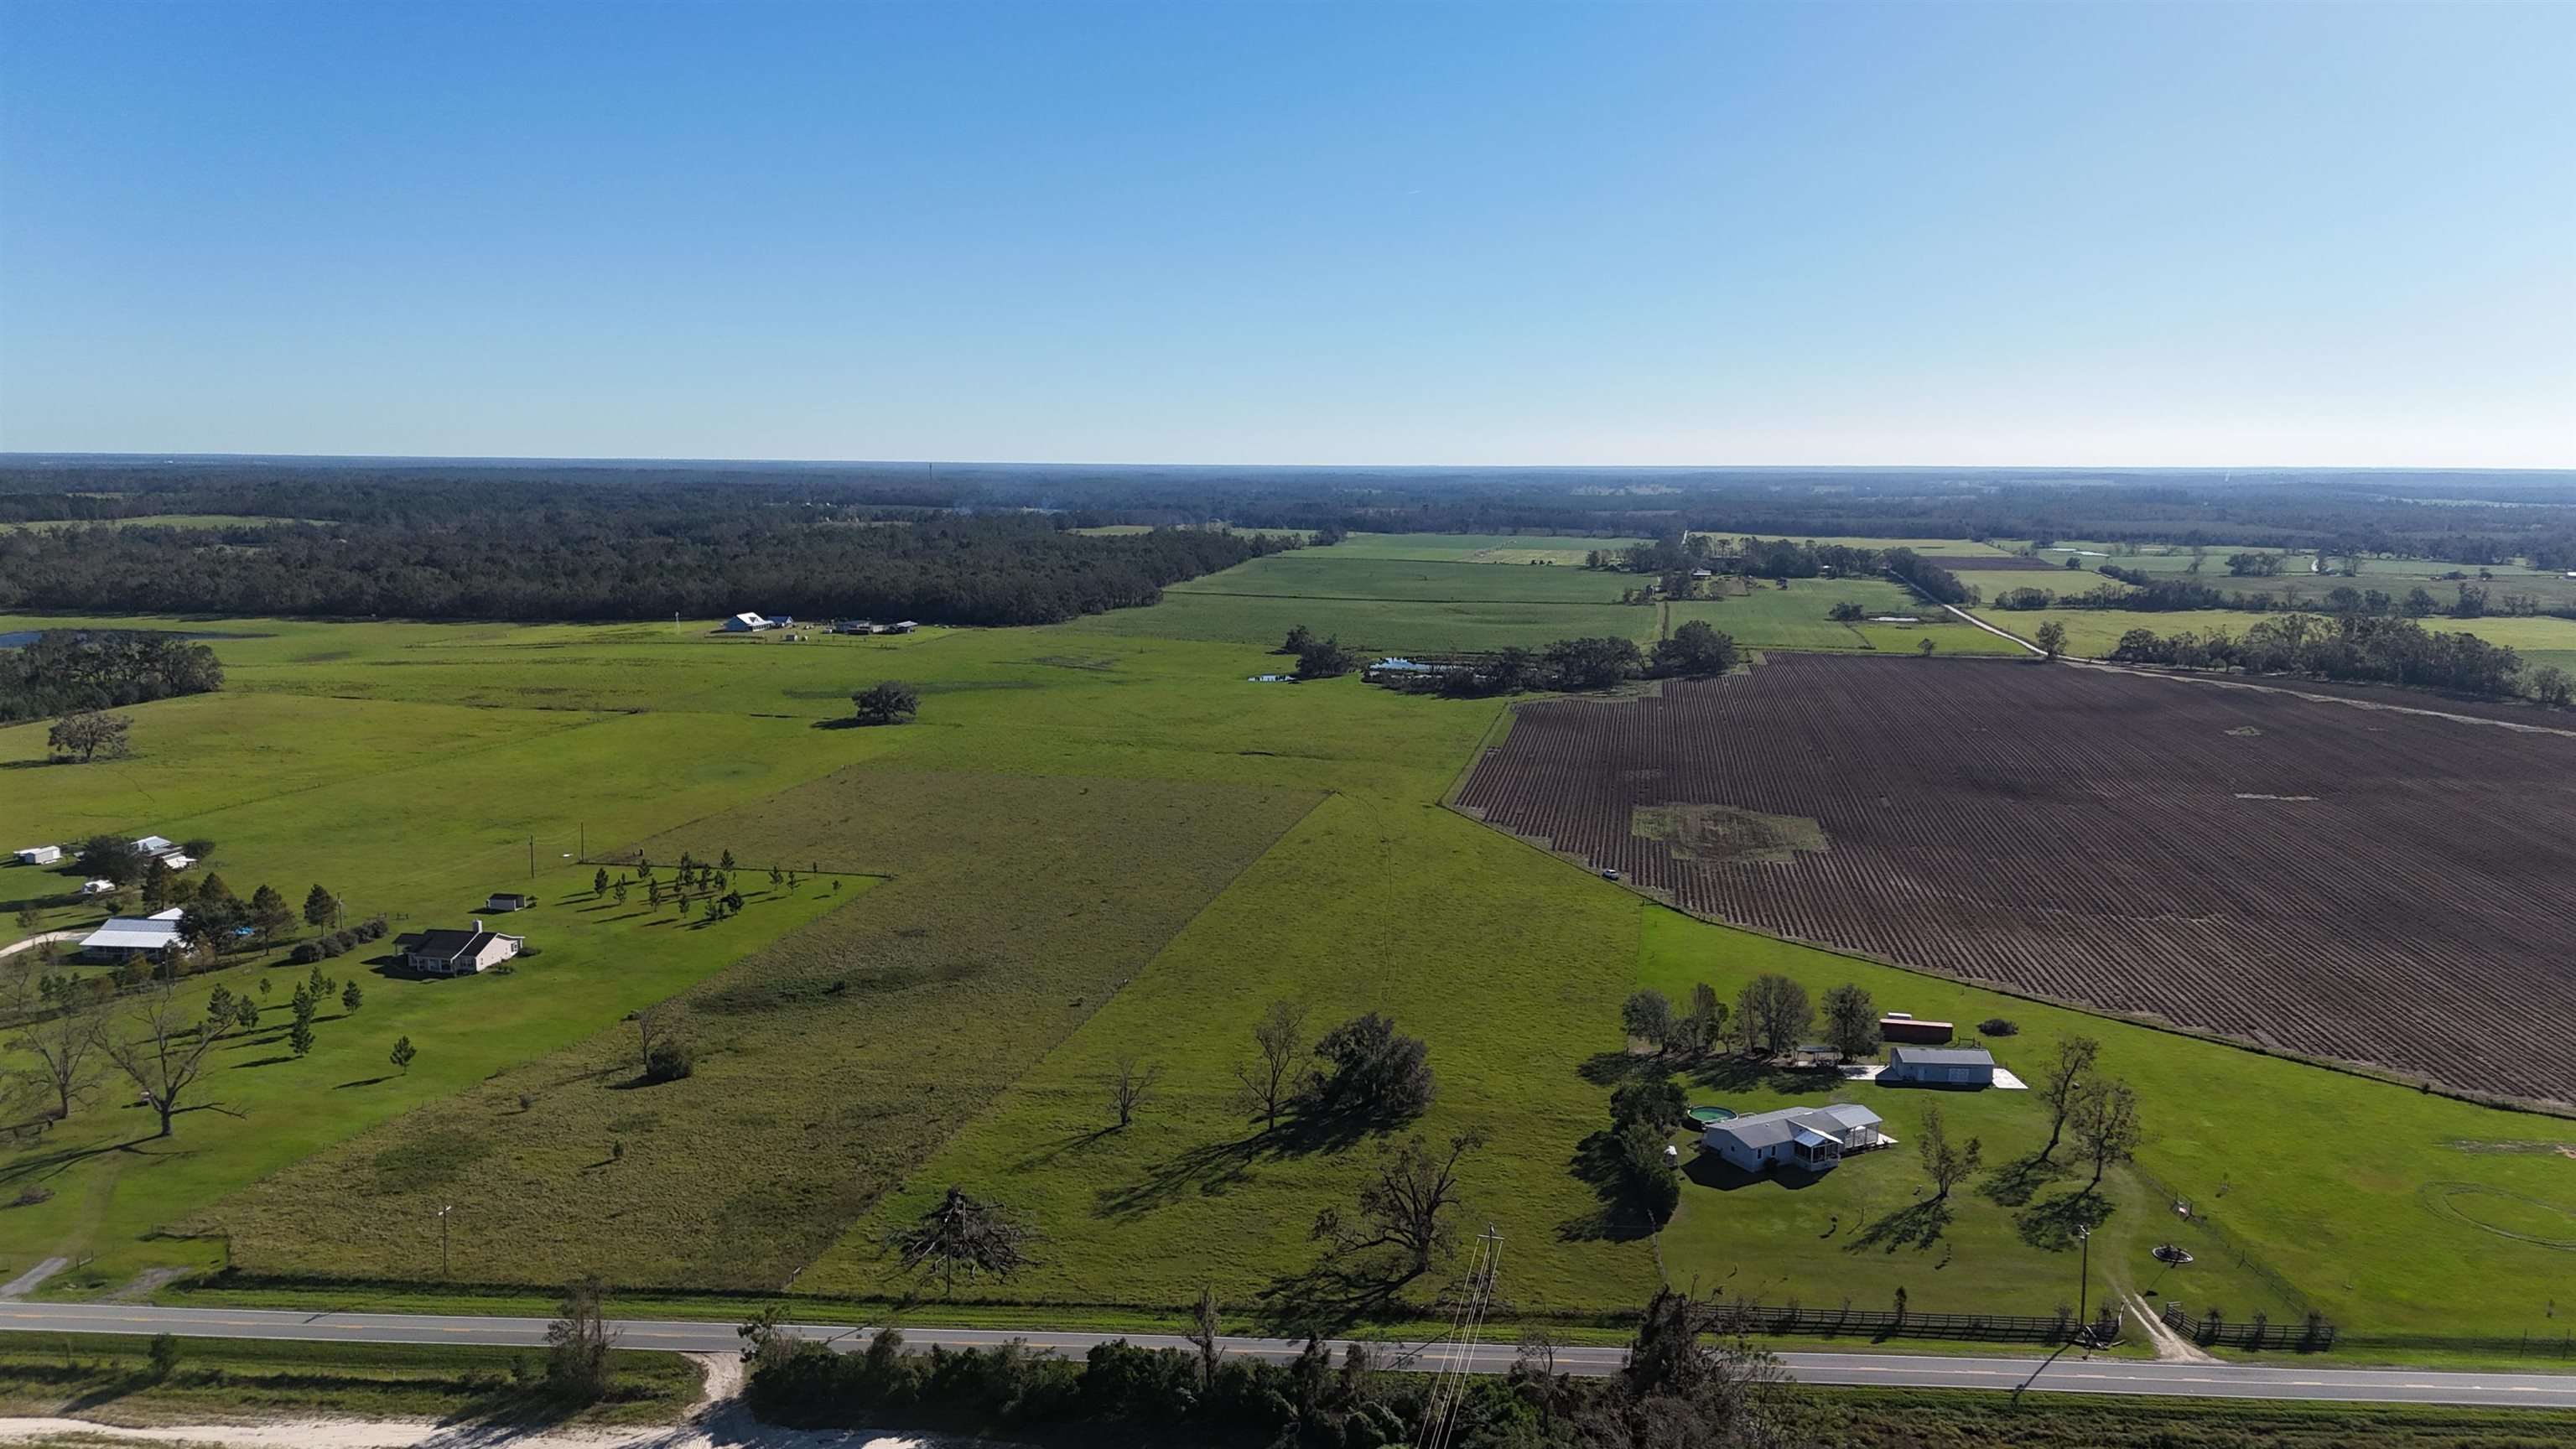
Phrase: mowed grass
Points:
(1325, 573)
(1771, 617)
(828, 1064)
(107, 1378)
(2308, 1186)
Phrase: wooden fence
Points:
(1882, 1324)
(2311, 1335)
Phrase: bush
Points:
(1998, 1026)
(669, 1061)
(305, 953)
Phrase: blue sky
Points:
(1223, 232)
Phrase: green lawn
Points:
(2324, 1197)
(108, 1378)
(1505, 548)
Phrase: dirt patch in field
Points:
(2109, 837)
(1725, 833)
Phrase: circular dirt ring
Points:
(2505, 1214)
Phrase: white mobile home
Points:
(39, 855)
(1810, 1138)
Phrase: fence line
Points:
(2313, 1335)
(1903, 1323)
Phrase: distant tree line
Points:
(1928, 578)
(77, 671)
(580, 556)
(1696, 650)
(2163, 594)
(2352, 647)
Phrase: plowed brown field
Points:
(2350, 882)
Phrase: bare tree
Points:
(1205, 1325)
(577, 1345)
(1129, 1085)
(65, 1047)
(1947, 1163)
(1270, 1083)
(2106, 1125)
(169, 1051)
(962, 1234)
(2063, 1084)
(1404, 1210)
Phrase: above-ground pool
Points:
(1710, 1116)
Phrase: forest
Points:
(66, 671)
(479, 552)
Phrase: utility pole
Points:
(2084, 1284)
(443, 1211)
(581, 838)
(532, 857)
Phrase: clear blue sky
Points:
(1228, 232)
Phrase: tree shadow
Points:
(1710, 1170)
(2050, 1226)
(265, 1062)
(53, 1164)
(1618, 1219)
(1916, 1225)
(363, 1082)
(1048, 1152)
(1211, 1168)
(1328, 1298)
(1757, 1074)
(1612, 1069)
(2017, 1182)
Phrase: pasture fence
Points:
(1876, 1323)
(2312, 1334)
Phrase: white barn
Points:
(1811, 1138)
(39, 855)
(1964, 1066)
(748, 624)
(126, 937)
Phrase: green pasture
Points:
(827, 1064)
(1098, 841)
(1325, 573)
(1509, 548)
(2094, 633)
(1771, 617)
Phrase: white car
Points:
(97, 887)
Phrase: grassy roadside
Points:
(110, 1378)
(1960, 1418)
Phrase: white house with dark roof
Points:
(1809, 1138)
(457, 953)
(1953, 1066)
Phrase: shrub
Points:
(669, 1061)
(305, 953)
(1999, 1026)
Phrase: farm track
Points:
(2379, 886)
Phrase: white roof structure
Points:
(132, 933)
(155, 845)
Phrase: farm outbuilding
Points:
(127, 937)
(748, 623)
(39, 855)
(1968, 1066)
(1812, 1138)
(1897, 1026)
(508, 901)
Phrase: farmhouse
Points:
(39, 855)
(1813, 1138)
(457, 953)
(126, 937)
(1968, 1066)
(155, 845)
(508, 901)
(748, 624)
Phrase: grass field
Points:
(1102, 810)
(828, 1063)
(108, 1378)
(1524, 548)
(2093, 633)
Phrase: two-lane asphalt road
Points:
(2064, 1374)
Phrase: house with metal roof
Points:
(1955, 1066)
(1809, 1138)
(127, 937)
